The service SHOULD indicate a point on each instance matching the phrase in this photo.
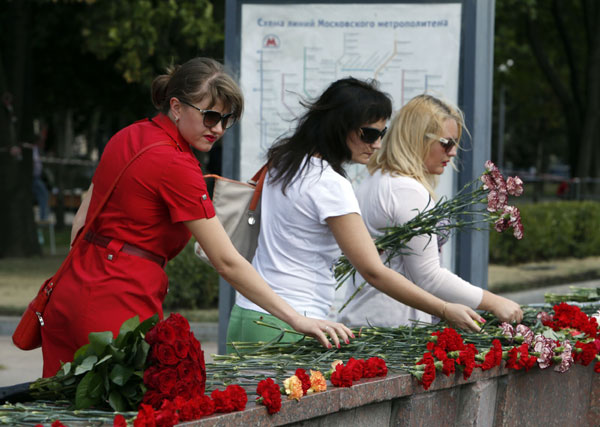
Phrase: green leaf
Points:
(120, 374)
(129, 325)
(80, 353)
(86, 365)
(99, 341)
(117, 402)
(141, 355)
(147, 324)
(65, 368)
(89, 391)
(104, 359)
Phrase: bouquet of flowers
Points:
(482, 202)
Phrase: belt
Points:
(105, 242)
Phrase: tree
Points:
(84, 68)
(561, 39)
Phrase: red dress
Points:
(159, 190)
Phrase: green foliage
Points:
(552, 230)
(104, 374)
(142, 33)
(192, 283)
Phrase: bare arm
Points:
(236, 270)
(353, 238)
(81, 214)
(503, 308)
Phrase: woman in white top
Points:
(309, 211)
(422, 141)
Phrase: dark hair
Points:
(345, 106)
(195, 80)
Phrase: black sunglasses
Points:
(370, 135)
(447, 143)
(211, 117)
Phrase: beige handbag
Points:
(237, 205)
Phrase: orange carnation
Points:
(293, 387)
(317, 382)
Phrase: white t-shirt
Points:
(387, 201)
(296, 249)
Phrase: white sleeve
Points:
(422, 262)
(333, 196)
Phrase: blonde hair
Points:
(195, 80)
(406, 145)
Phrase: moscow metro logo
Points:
(271, 41)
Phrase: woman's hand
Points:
(320, 329)
(504, 309)
(461, 317)
(507, 310)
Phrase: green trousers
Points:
(243, 329)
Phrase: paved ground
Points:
(17, 366)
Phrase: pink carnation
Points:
(567, 357)
(514, 186)
(526, 333)
(545, 347)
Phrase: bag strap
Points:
(78, 238)
(259, 179)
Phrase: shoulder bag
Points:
(237, 206)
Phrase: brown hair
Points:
(195, 80)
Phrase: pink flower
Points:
(493, 201)
(545, 347)
(567, 357)
(514, 186)
(489, 165)
(544, 317)
(526, 333)
(488, 181)
(507, 330)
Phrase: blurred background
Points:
(72, 73)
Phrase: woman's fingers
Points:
(462, 317)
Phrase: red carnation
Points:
(356, 367)
(493, 357)
(376, 367)
(304, 379)
(448, 367)
(119, 421)
(167, 415)
(238, 396)
(429, 372)
(597, 367)
(588, 353)
(145, 417)
(232, 399)
(269, 395)
(342, 376)
(466, 359)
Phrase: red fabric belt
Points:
(103, 242)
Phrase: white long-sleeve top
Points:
(387, 201)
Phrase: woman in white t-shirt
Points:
(309, 211)
(422, 141)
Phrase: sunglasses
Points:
(447, 143)
(370, 135)
(211, 118)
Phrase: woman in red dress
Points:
(159, 202)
